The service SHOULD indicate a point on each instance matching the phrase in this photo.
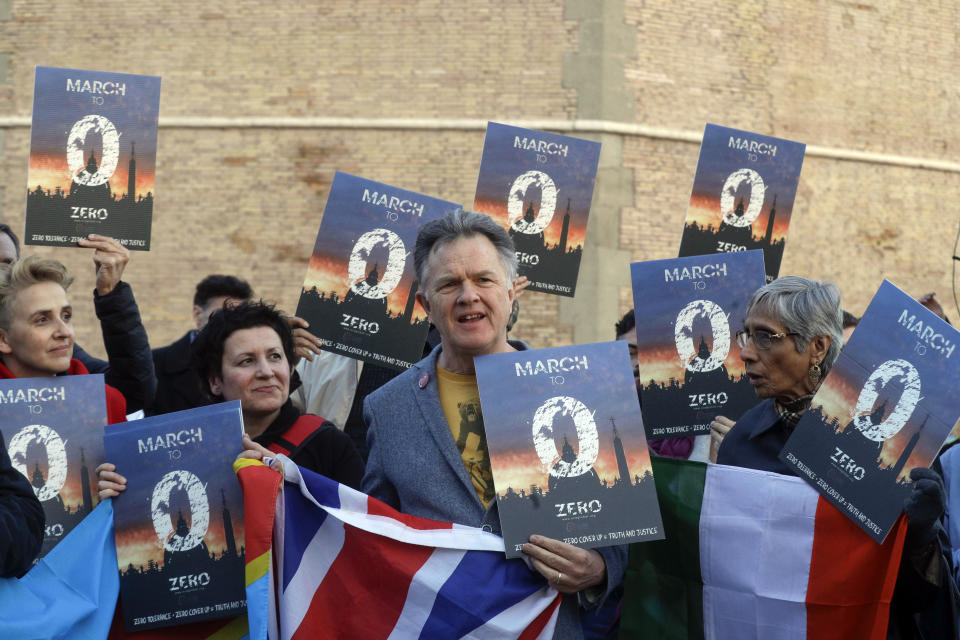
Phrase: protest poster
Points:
(689, 311)
(179, 524)
(538, 186)
(53, 430)
(93, 150)
(567, 447)
(884, 409)
(743, 193)
(360, 291)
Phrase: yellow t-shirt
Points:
(460, 400)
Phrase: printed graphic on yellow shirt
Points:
(472, 444)
(460, 400)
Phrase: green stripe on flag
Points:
(663, 588)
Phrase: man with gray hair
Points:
(428, 449)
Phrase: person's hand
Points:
(255, 451)
(305, 343)
(110, 259)
(924, 506)
(109, 482)
(719, 427)
(570, 569)
(520, 285)
(929, 300)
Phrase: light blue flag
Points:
(72, 591)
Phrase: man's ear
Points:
(422, 299)
(5, 346)
(197, 314)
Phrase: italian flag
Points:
(752, 554)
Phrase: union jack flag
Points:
(345, 565)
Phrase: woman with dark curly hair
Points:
(246, 353)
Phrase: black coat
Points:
(755, 441)
(21, 519)
(178, 386)
(129, 365)
(328, 451)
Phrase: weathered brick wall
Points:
(872, 76)
(249, 201)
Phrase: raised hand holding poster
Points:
(359, 294)
(93, 150)
(538, 186)
(743, 194)
(688, 313)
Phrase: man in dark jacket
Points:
(129, 365)
(21, 519)
(177, 386)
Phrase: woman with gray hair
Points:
(791, 337)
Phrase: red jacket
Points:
(116, 405)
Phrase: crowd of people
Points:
(397, 435)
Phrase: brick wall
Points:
(871, 76)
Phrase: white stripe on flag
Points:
(317, 558)
(423, 592)
(511, 622)
(353, 511)
(756, 540)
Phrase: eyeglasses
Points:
(761, 339)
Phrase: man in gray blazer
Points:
(466, 265)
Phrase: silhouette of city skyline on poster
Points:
(569, 460)
(743, 195)
(359, 294)
(883, 410)
(683, 391)
(56, 445)
(179, 525)
(92, 157)
(539, 187)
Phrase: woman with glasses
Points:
(791, 337)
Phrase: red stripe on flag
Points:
(377, 508)
(540, 622)
(260, 485)
(851, 577)
(370, 577)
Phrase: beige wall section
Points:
(597, 70)
(873, 76)
(876, 76)
(248, 201)
(402, 58)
